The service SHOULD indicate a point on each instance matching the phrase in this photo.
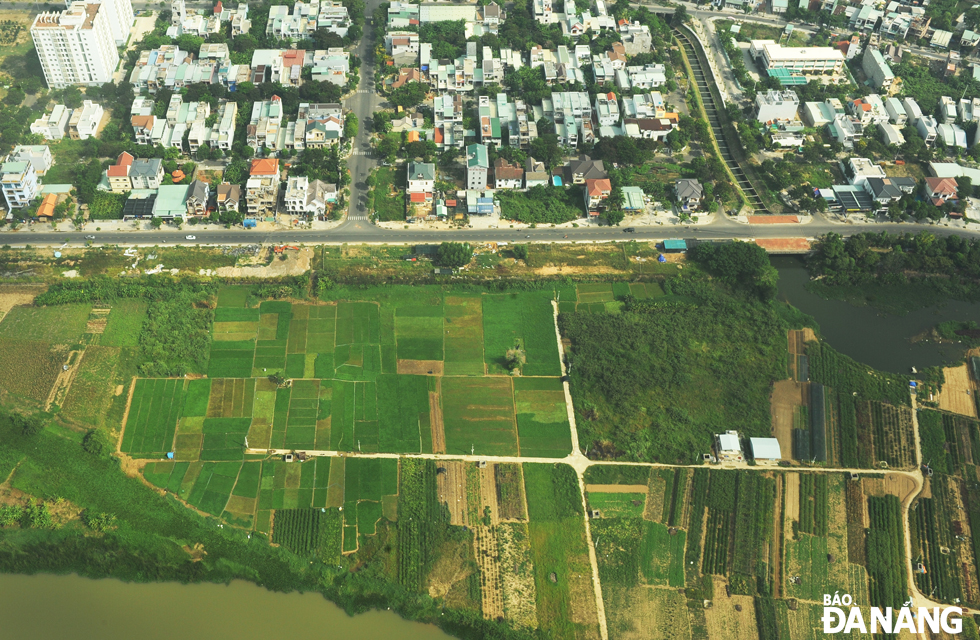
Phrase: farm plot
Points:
(153, 415)
(291, 485)
(933, 524)
(464, 336)
(263, 413)
(231, 359)
(662, 555)
(565, 604)
(524, 320)
(419, 333)
(167, 475)
(644, 290)
(224, 438)
(479, 416)
(231, 398)
(91, 392)
(403, 414)
(309, 532)
(302, 417)
(29, 369)
(641, 613)
(618, 505)
(213, 486)
(542, 417)
(510, 491)
(240, 510)
(235, 296)
(320, 331)
(366, 483)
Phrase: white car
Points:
(190, 237)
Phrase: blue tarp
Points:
(249, 224)
(170, 455)
(661, 258)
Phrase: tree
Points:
(71, 97)
(98, 442)
(350, 126)
(516, 358)
(520, 251)
(410, 94)
(454, 254)
(15, 95)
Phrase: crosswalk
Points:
(356, 216)
(364, 91)
(360, 152)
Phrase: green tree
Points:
(410, 94)
(15, 95)
(350, 126)
(98, 442)
(454, 254)
(520, 251)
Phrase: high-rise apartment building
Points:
(78, 45)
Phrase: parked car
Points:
(629, 230)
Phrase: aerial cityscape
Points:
(513, 320)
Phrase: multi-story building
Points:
(572, 115)
(19, 183)
(120, 17)
(118, 174)
(421, 178)
(597, 191)
(263, 127)
(878, 72)
(316, 126)
(896, 112)
(39, 155)
(53, 125)
(262, 188)
(489, 122)
(77, 45)
(84, 122)
(776, 106)
(197, 198)
(307, 197)
(228, 197)
(506, 175)
(146, 173)
(606, 109)
(240, 24)
(797, 60)
(447, 111)
(477, 167)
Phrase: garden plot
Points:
(542, 417)
(213, 486)
(152, 419)
(479, 417)
(294, 485)
(231, 398)
(29, 369)
(366, 483)
(90, 393)
(602, 297)
(58, 324)
(124, 323)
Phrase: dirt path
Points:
(59, 390)
(435, 419)
(787, 395)
(616, 488)
(792, 496)
(129, 403)
(451, 488)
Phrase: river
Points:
(47, 606)
(870, 336)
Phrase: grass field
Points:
(124, 323)
(153, 417)
(618, 505)
(542, 417)
(63, 324)
(524, 320)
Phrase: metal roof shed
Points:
(765, 449)
(675, 245)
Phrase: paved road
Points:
(358, 231)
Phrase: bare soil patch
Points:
(296, 263)
(451, 489)
(437, 425)
(11, 297)
(957, 393)
(787, 395)
(792, 496)
(567, 270)
(487, 551)
(421, 367)
(654, 508)
(725, 621)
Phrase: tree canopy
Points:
(454, 254)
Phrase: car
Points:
(190, 237)
(629, 230)
(90, 237)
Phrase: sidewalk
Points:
(285, 223)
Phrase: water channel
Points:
(870, 336)
(47, 606)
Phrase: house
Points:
(606, 109)
(585, 168)
(912, 110)
(597, 191)
(947, 109)
(170, 202)
(38, 155)
(197, 198)
(84, 122)
(264, 124)
(728, 448)
(307, 197)
(845, 130)
(477, 167)
(45, 211)
(891, 135)
(535, 174)
(860, 169)
(633, 199)
(421, 178)
(896, 112)
(405, 75)
(928, 128)
(402, 43)
(146, 173)
(507, 175)
(19, 183)
(952, 135)
(887, 190)
(262, 188)
(776, 106)
(229, 196)
(118, 174)
(53, 125)
(969, 110)
(765, 450)
(689, 193)
(143, 128)
(939, 190)
(868, 110)
(815, 114)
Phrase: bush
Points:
(454, 254)
(98, 442)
